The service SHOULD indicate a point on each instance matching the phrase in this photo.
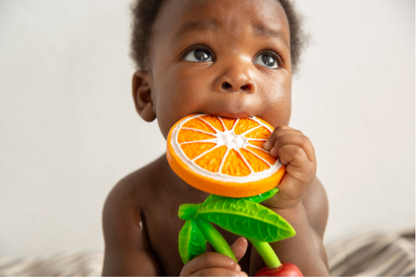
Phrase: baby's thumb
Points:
(239, 247)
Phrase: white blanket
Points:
(370, 254)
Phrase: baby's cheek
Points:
(277, 102)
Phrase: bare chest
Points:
(163, 227)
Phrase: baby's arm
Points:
(302, 201)
(127, 250)
(305, 249)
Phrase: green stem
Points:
(214, 237)
(267, 253)
(188, 211)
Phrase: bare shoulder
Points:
(124, 194)
(126, 240)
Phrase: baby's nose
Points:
(236, 80)
(226, 86)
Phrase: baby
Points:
(231, 58)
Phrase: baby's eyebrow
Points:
(212, 25)
(204, 25)
(270, 33)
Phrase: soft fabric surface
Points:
(370, 254)
(374, 254)
(62, 264)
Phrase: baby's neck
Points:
(176, 185)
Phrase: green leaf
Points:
(213, 197)
(248, 219)
(191, 241)
(257, 198)
(262, 197)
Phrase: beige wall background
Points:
(69, 130)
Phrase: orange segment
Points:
(259, 133)
(262, 153)
(197, 123)
(193, 150)
(212, 160)
(214, 121)
(234, 165)
(228, 122)
(244, 125)
(256, 164)
(258, 143)
(186, 135)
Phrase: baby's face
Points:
(221, 57)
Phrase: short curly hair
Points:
(144, 14)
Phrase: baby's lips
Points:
(232, 114)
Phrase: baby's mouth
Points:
(230, 114)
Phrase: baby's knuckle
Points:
(276, 143)
(298, 132)
(303, 140)
(296, 152)
(308, 173)
(283, 150)
(282, 129)
(289, 152)
(210, 259)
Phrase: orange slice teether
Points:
(223, 156)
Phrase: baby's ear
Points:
(142, 95)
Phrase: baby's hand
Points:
(296, 152)
(215, 264)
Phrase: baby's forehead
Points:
(177, 17)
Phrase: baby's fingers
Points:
(296, 139)
(279, 131)
(297, 164)
(239, 247)
(209, 260)
(218, 272)
(292, 154)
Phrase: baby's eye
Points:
(198, 55)
(268, 60)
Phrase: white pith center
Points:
(231, 140)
